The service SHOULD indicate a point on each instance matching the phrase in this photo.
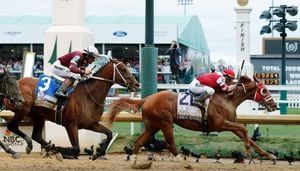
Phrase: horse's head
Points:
(257, 91)
(9, 89)
(121, 75)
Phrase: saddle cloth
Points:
(185, 109)
(45, 91)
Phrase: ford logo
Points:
(120, 33)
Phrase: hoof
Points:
(102, 158)
(188, 166)
(28, 149)
(59, 157)
(94, 156)
(16, 156)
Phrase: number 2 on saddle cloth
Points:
(45, 95)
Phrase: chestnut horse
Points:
(83, 109)
(159, 112)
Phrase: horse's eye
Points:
(264, 91)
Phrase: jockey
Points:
(204, 85)
(72, 66)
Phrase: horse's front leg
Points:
(14, 127)
(258, 149)
(72, 130)
(101, 151)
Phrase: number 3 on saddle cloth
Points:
(185, 109)
(45, 95)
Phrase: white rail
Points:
(293, 96)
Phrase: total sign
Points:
(273, 65)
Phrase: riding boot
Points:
(198, 100)
(61, 92)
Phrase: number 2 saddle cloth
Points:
(185, 109)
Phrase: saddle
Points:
(45, 95)
(187, 109)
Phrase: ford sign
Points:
(120, 33)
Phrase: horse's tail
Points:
(119, 105)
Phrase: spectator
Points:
(166, 71)
(188, 72)
(175, 58)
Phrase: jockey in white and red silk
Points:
(204, 85)
(73, 66)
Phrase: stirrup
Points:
(198, 104)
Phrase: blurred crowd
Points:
(16, 66)
(186, 72)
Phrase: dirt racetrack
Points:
(117, 162)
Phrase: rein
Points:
(244, 88)
(116, 70)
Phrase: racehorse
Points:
(159, 112)
(9, 91)
(82, 110)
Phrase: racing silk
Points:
(73, 61)
(213, 80)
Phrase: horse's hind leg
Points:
(143, 139)
(169, 137)
(14, 127)
(104, 144)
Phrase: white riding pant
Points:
(197, 88)
(62, 71)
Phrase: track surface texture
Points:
(34, 162)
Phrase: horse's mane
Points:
(245, 79)
(242, 79)
(98, 65)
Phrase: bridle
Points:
(5, 85)
(116, 71)
(259, 96)
(4, 93)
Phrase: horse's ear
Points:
(255, 78)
